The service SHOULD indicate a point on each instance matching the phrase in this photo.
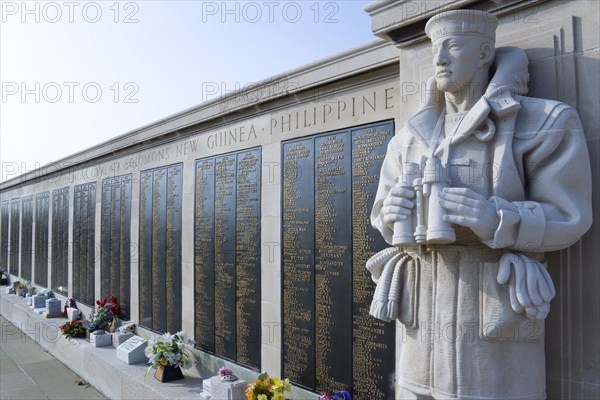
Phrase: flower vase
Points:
(88, 332)
(229, 378)
(168, 373)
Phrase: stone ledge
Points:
(97, 365)
(100, 367)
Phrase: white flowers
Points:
(173, 350)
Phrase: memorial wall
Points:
(185, 231)
(245, 221)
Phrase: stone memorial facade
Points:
(246, 222)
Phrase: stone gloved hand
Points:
(397, 205)
(468, 208)
(530, 285)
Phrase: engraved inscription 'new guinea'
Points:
(475, 187)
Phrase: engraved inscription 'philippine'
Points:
(475, 187)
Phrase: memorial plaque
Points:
(225, 194)
(247, 255)
(330, 342)
(15, 221)
(115, 249)
(60, 240)
(42, 209)
(4, 233)
(204, 255)
(132, 350)
(84, 217)
(227, 256)
(145, 259)
(333, 256)
(373, 348)
(172, 288)
(26, 236)
(299, 262)
(160, 248)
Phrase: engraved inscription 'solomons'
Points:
(227, 256)
(160, 248)
(116, 233)
(329, 339)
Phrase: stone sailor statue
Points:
(475, 187)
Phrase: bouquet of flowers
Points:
(173, 350)
(72, 329)
(337, 395)
(104, 317)
(70, 302)
(268, 388)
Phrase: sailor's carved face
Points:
(457, 60)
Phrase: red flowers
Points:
(112, 306)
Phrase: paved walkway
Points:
(29, 372)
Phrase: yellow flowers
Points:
(268, 388)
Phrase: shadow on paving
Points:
(29, 372)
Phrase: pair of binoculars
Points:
(426, 223)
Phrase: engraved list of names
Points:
(227, 256)
(84, 248)
(116, 233)
(330, 342)
(160, 248)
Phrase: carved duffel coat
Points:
(459, 336)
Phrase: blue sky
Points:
(75, 74)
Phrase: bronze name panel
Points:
(42, 210)
(329, 340)
(160, 248)
(227, 256)
(60, 240)
(4, 232)
(15, 209)
(116, 240)
(26, 237)
(84, 233)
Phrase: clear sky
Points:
(78, 73)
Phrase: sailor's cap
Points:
(465, 22)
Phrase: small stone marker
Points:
(119, 338)
(53, 308)
(206, 390)
(100, 338)
(72, 313)
(38, 301)
(132, 350)
(220, 389)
